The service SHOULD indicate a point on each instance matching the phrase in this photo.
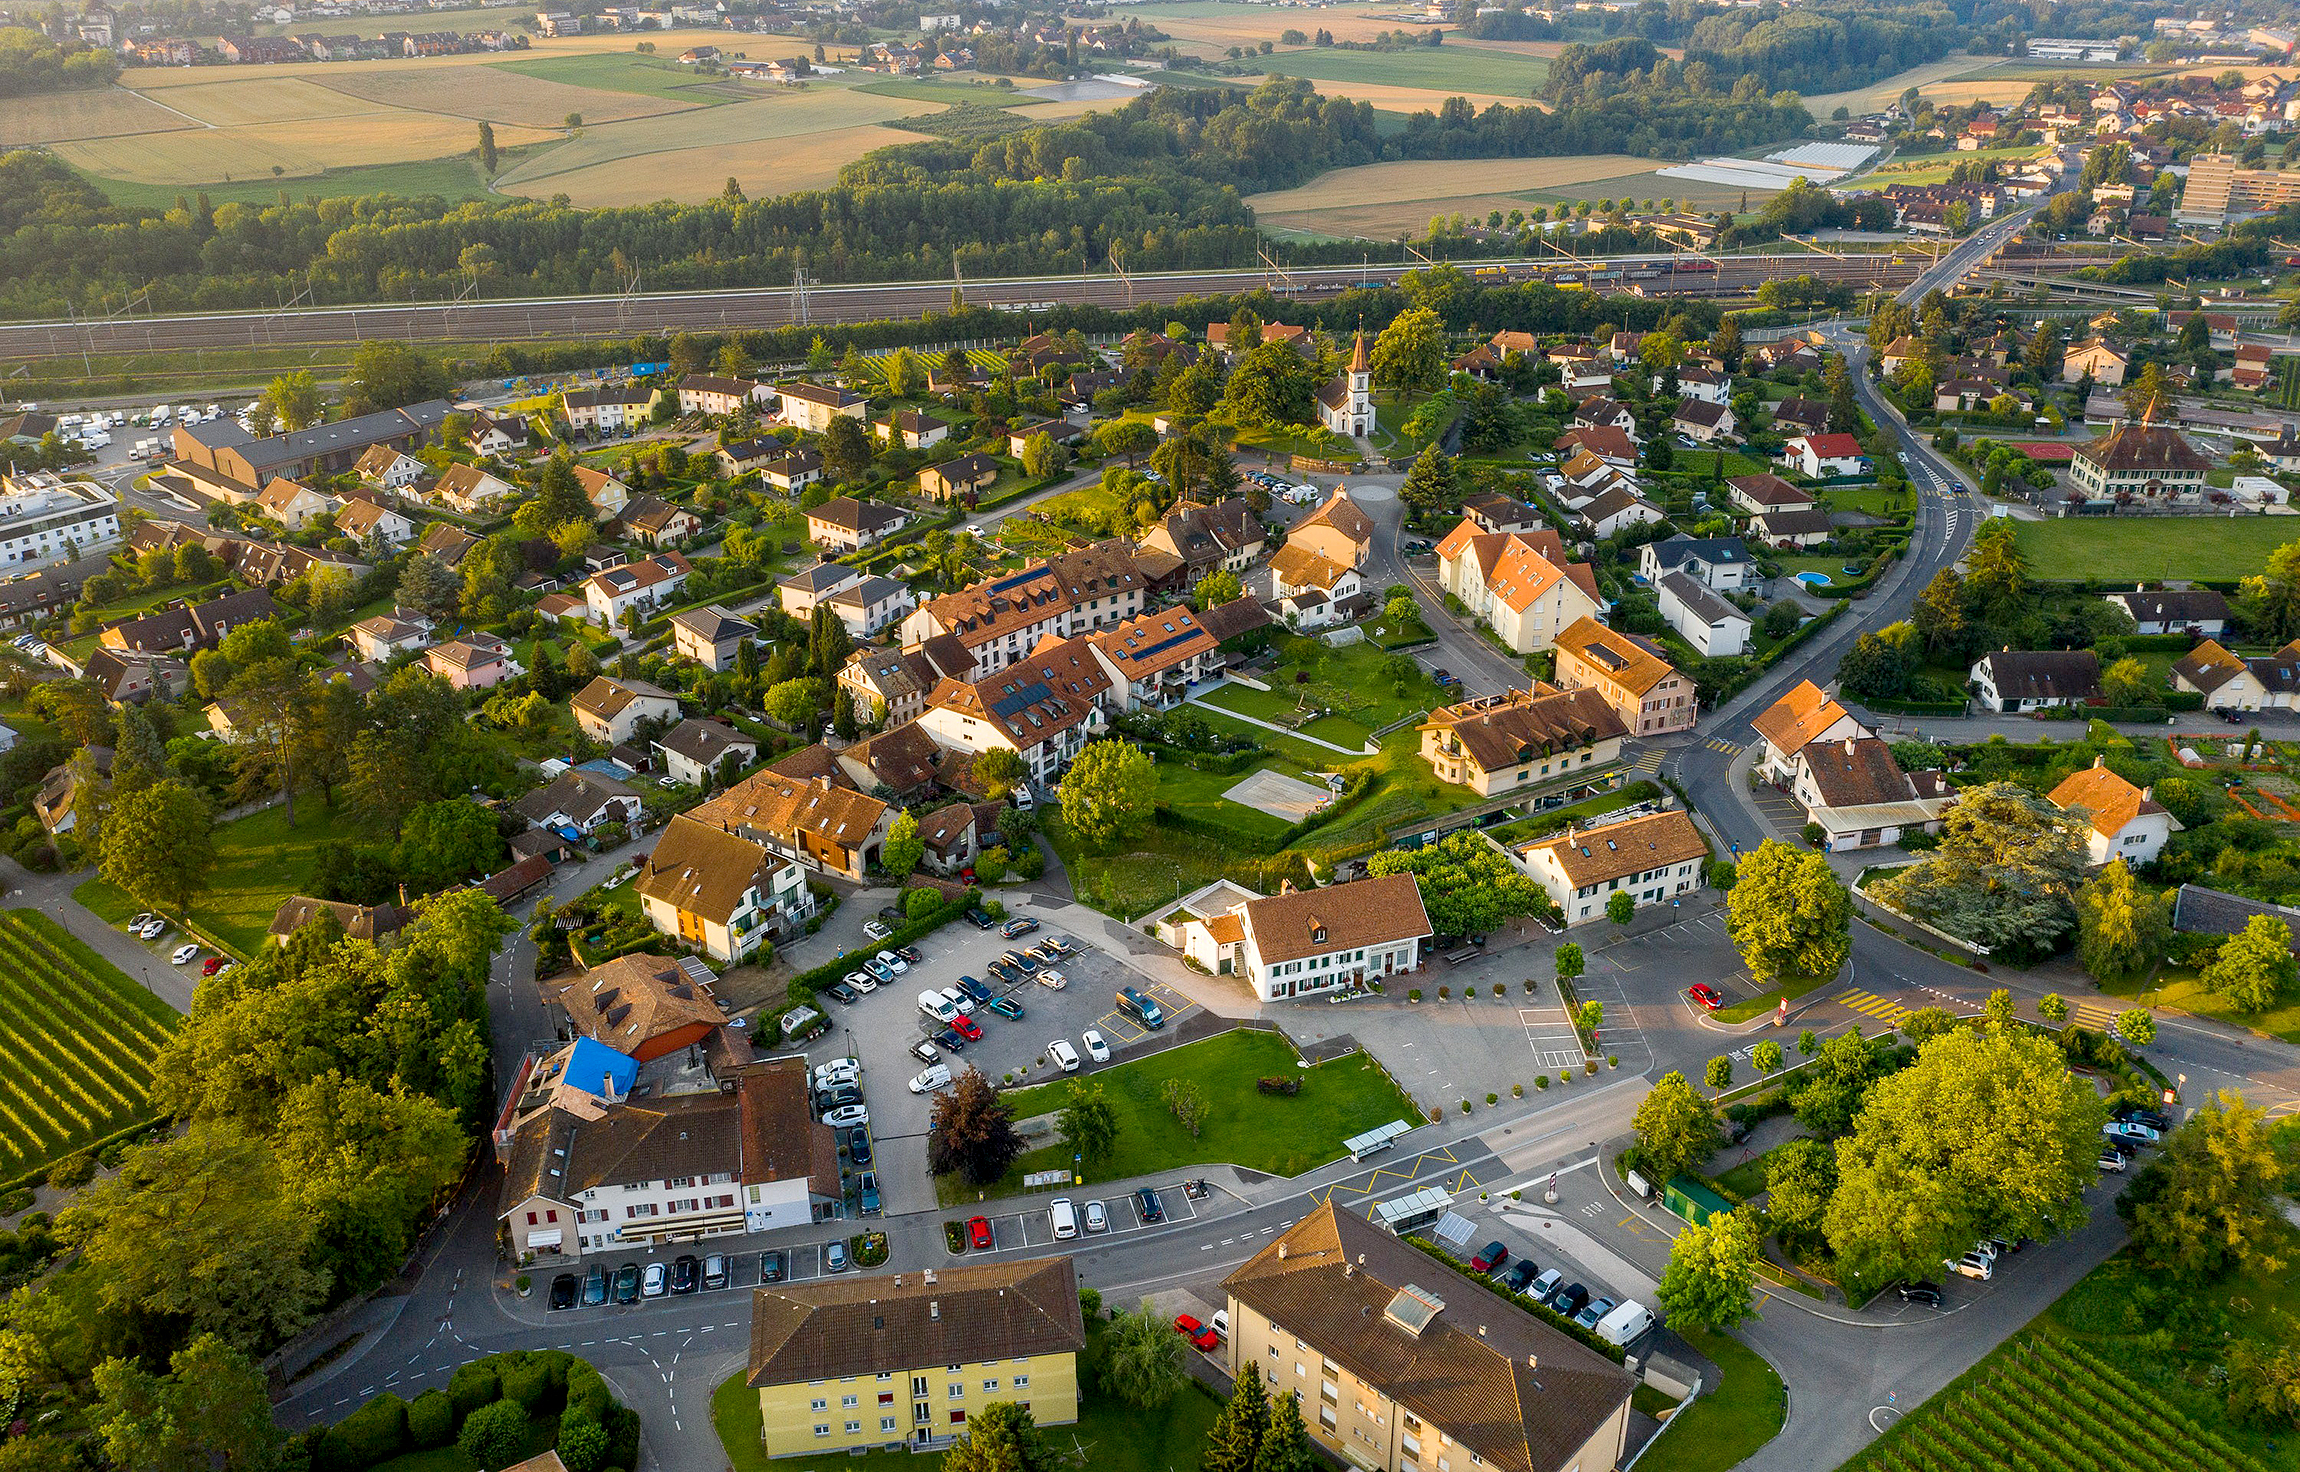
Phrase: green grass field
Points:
(450, 178)
(1439, 68)
(260, 861)
(646, 76)
(1280, 708)
(1728, 1424)
(1265, 1132)
(2072, 549)
(77, 1039)
(1109, 1436)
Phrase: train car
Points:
(1490, 271)
(1695, 266)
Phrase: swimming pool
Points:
(1814, 579)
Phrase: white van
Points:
(937, 1006)
(934, 1077)
(1064, 1056)
(1064, 1218)
(1625, 1324)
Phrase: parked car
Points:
(837, 1096)
(1149, 1207)
(686, 1274)
(715, 1270)
(771, 1265)
(839, 991)
(183, 953)
(1019, 925)
(847, 1117)
(1220, 1323)
(950, 1041)
(154, 928)
(892, 962)
(1927, 1294)
(2126, 1129)
(1545, 1287)
(862, 981)
(912, 954)
(2111, 1159)
(837, 1071)
(627, 1283)
(1709, 998)
(974, 989)
(858, 1147)
(876, 929)
(1188, 1326)
(978, 1234)
(1053, 979)
(927, 1080)
(595, 1286)
(1489, 1257)
(1006, 1007)
(1061, 945)
(656, 1283)
(2154, 1119)
(959, 1001)
(1520, 1273)
(1569, 1299)
(1005, 973)
(980, 917)
(834, 1257)
(967, 1028)
(1062, 1217)
(879, 969)
(925, 1051)
(1594, 1313)
(563, 1291)
(1020, 962)
(1065, 1057)
(1097, 1217)
(212, 965)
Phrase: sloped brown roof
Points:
(1791, 723)
(1767, 489)
(1508, 1387)
(1621, 658)
(359, 922)
(782, 1140)
(1311, 922)
(2142, 447)
(903, 758)
(2207, 667)
(700, 870)
(1299, 567)
(608, 698)
(1531, 724)
(1047, 691)
(1618, 850)
(834, 1327)
(2110, 802)
(1342, 514)
(2045, 674)
(771, 802)
(631, 999)
(1856, 773)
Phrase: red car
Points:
(1706, 995)
(978, 1234)
(1197, 1333)
(1490, 1256)
(967, 1028)
(211, 966)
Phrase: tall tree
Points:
(1985, 1134)
(2253, 970)
(293, 399)
(1286, 1445)
(1001, 1437)
(1109, 793)
(1430, 485)
(487, 154)
(1676, 1128)
(267, 700)
(972, 1131)
(1088, 1124)
(427, 586)
(1240, 1425)
(1844, 408)
(2005, 875)
(1788, 914)
(1143, 1364)
(2149, 396)
(158, 846)
(1000, 771)
(1711, 1279)
(2208, 1201)
(1800, 1177)
(1828, 1095)
(1410, 352)
(2121, 928)
(846, 447)
(1939, 614)
(904, 848)
(1996, 574)
(210, 1413)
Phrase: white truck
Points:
(1626, 1324)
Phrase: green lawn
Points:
(2182, 989)
(1449, 68)
(2117, 548)
(647, 76)
(1108, 1436)
(1281, 1135)
(260, 861)
(449, 178)
(1746, 1179)
(1869, 499)
(1284, 710)
(1196, 794)
(1729, 1422)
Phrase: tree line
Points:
(30, 63)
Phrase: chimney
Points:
(1533, 1362)
(1281, 1252)
(1848, 746)
(2147, 792)
(934, 1308)
(1349, 1269)
(2097, 760)
(1481, 1331)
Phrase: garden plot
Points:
(1279, 796)
(77, 1039)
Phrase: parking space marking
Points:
(1551, 1036)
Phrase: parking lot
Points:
(800, 1264)
(881, 1027)
(1033, 1227)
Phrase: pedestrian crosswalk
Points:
(1646, 765)
(1871, 1005)
(1719, 743)
(2098, 1016)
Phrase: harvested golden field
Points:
(721, 132)
(667, 43)
(1874, 96)
(499, 97)
(764, 166)
(1222, 26)
(58, 117)
(1432, 182)
(262, 95)
(293, 149)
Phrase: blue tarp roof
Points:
(593, 1062)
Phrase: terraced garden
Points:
(76, 1042)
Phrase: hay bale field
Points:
(60, 117)
(1404, 101)
(296, 149)
(264, 95)
(506, 97)
(764, 166)
(1877, 94)
(798, 118)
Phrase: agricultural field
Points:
(283, 150)
(60, 117)
(644, 76)
(76, 1042)
(2071, 549)
(1443, 70)
(1383, 201)
(1215, 25)
(1877, 94)
(260, 861)
(508, 96)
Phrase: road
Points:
(716, 311)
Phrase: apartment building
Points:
(1630, 675)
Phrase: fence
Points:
(1879, 913)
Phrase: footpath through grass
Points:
(1109, 1436)
(260, 861)
(1728, 1424)
(1279, 1134)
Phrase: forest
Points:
(30, 63)
(1160, 178)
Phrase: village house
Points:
(1493, 744)
(823, 825)
(1825, 456)
(969, 475)
(1798, 719)
(693, 751)
(1306, 943)
(1721, 564)
(1712, 626)
(1652, 859)
(1858, 794)
(714, 395)
(2015, 680)
(1629, 673)
(473, 662)
(607, 495)
(362, 516)
(811, 406)
(383, 635)
(2121, 821)
(634, 587)
(622, 409)
(390, 469)
(1520, 585)
(911, 429)
(609, 710)
(843, 524)
(577, 803)
(710, 636)
(470, 490)
(1044, 707)
(292, 503)
(1153, 660)
(1763, 492)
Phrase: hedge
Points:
(376, 1432)
(1614, 1352)
(1917, 707)
(806, 984)
(538, 1381)
(431, 1420)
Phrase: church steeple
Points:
(1358, 361)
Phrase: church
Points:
(1346, 404)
